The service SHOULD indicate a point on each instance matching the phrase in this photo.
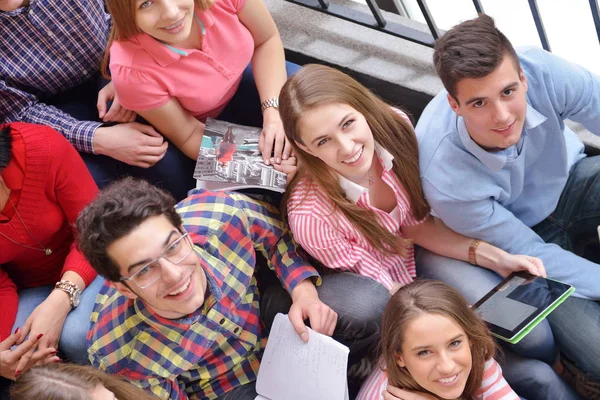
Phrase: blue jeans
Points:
(526, 364)
(358, 301)
(72, 340)
(244, 392)
(573, 226)
(174, 172)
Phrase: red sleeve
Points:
(74, 188)
(10, 303)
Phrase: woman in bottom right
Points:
(434, 346)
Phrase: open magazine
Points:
(229, 159)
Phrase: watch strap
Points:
(272, 102)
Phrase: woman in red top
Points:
(44, 184)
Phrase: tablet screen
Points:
(517, 301)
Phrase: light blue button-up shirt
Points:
(499, 196)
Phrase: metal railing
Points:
(376, 19)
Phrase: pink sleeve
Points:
(373, 385)
(333, 249)
(138, 91)
(238, 4)
(493, 385)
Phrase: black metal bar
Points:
(596, 16)
(364, 19)
(376, 13)
(324, 4)
(535, 13)
(478, 7)
(435, 32)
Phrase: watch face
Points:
(76, 298)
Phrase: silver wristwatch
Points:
(71, 289)
(272, 102)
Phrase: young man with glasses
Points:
(180, 316)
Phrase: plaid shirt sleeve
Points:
(18, 105)
(273, 239)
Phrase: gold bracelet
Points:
(472, 248)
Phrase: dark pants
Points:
(174, 172)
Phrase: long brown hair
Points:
(425, 296)
(124, 26)
(71, 382)
(316, 85)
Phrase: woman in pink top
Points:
(178, 62)
(356, 203)
(435, 346)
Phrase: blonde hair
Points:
(317, 85)
(425, 296)
(71, 382)
(124, 26)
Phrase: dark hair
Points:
(71, 382)
(425, 296)
(115, 212)
(5, 146)
(317, 85)
(471, 49)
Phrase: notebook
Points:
(294, 370)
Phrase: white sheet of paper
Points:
(294, 370)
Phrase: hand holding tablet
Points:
(520, 302)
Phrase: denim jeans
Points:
(526, 364)
(174, 172)
(573, 226)
(358, 301)
(244, 392)
(72, 340)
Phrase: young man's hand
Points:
(132, 143)
(306, 304)
(512, 263)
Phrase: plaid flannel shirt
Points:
(47, 48)
(218, 348)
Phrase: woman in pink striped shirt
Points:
(435, 347)
(356, 203)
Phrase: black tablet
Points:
(520, 302)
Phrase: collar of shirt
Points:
(495, 160)
(353, 190)
(214, 284)
(20, 10)
(165, 54)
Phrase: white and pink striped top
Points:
(326, 234)
(493, 386)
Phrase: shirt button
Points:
(49, 33)
(85, 71)
(31, 12)
(222, 321)
(69, 54)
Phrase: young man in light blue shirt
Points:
(499, 164)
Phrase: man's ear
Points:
(453, 104)
(523, 79)
(125, 291)
(399, 360)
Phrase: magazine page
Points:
(229, 159)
